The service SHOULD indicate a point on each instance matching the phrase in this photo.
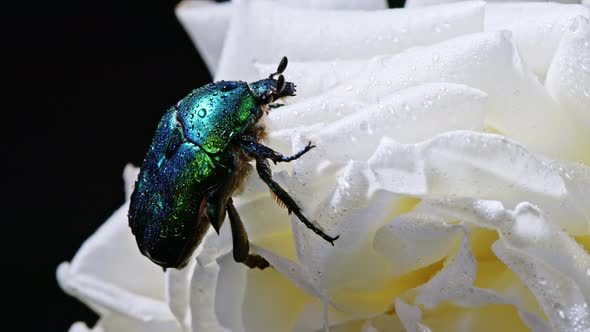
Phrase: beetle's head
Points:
(274, 87)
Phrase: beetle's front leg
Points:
(265, 174)
(258, 150)
(240, 241)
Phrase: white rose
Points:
(453, 144)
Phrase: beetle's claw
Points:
(331, 240)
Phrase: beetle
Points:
(199, 157)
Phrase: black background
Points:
(85, 84)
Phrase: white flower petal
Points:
(203, 293)
(454, 279)
(568, 78)
(483, 166)
(408, 116)
(413, 241)
(552, 265)
(337, 211)
(410, 316)
(291, 271)
(351, 272)
(576, 177)
(206, 22)
(518, 105)
(99, 274)
(130, 174)
(536, 236)
(177, 293)
(270, 302)
(537, 28)
(336, 4)
(454, 283)
(116, 323)
(257, 33)
(230, 294)
(368, 327)
(82, 327)
(310, 112)
(419, 3)
(313, 318)
(557, 294)
(454, 106)
(459, 164)
(422, 3)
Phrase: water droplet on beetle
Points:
(202, 112)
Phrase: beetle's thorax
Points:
(214, 114)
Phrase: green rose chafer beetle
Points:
(198, 158)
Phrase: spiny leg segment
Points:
(261, 153)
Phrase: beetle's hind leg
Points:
(240, 241)
(260, 151)
(265, 174)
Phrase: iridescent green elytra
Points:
(198, 158)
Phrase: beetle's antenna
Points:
(280, 84)
(281, 67)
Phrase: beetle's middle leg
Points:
(265, 174)
(240, 241)
(261, 151)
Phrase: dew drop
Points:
(202, 112)
(435, 57)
